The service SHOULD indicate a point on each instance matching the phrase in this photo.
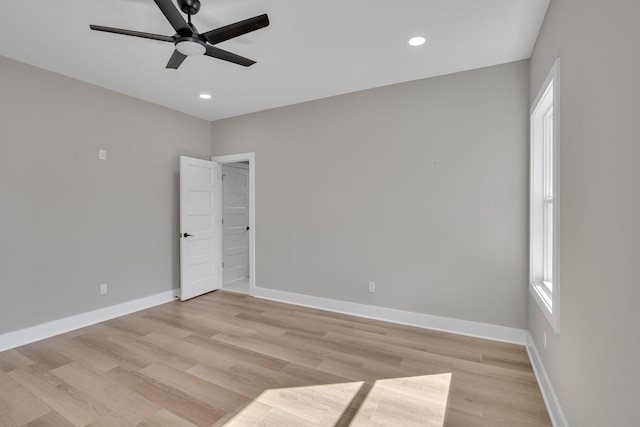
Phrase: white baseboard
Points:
(550, 399)
(438, 323)
(14, 339)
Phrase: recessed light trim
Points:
(417, 41)
(205, 96)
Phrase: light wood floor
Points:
(229, 359)
(239, 286)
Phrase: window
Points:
(544, 214)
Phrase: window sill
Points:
(544, 301)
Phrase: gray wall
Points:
(421, 187)
(593, 362)
(69, 221)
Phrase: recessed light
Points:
(417, 41)
(205, 96)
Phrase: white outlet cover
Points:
(102, 154)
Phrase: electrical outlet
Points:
(102, 154)
(103, 289)
(372, 287)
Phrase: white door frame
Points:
(251, 158)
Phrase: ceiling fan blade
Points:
(234, 30)
(176, 60)
(174, 16)
(132, 33)
(215, 52)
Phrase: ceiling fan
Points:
(188, 41)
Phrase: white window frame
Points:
(544, 214)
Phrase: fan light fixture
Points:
(187, 40)
(190, 48)
(417, 41)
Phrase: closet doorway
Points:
(237, 222)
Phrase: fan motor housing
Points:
(190, 7)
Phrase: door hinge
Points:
(222, 221)
(223, 175)
(223, 265)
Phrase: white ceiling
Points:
(311, 50)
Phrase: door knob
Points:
(247, 227)
(187, 235)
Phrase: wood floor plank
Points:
(353, 373)
(212, 394)
(251, 415)
(52, 419)
(130, 407)
(277, 417)
(164, 418)
(77, 408)
(233, 381)
(76, 351)
(42, 354)
(176, 320)
(119, 353)
(419, 345)
(226, 359)
(155, 352)
(165, 396)
(422, 360)
(260, 344)
(13, 359)
(135, 324)
(229, 354)
(213, 324)
(112, 419)
(316, 405)
(177, 349)
(312, 376)
(17, 404)
(413, 401)
(267, 378)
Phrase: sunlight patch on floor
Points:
(420, 401)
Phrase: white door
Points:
(235, 215)
(200, 258)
